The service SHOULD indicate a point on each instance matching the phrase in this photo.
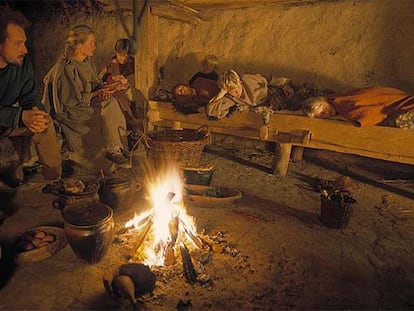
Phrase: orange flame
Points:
(165, 194)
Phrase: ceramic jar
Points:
(89, 230)
(118, 193)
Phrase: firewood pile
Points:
(191, 265)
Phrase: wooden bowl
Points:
(40, 253)
(210, 196)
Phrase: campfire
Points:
(165, 232)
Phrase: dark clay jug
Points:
(89, 230)
(119, 192)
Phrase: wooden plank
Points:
(386, 143)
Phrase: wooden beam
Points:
(174, 13)
(234, 4)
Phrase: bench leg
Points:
(281, 159)
(177, 125)
(297, 154)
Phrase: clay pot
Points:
(88, 196)
(82, 198)
(118, 192)
(89, 230)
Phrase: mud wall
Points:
(337, 44)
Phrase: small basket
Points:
(184, 147)
(198, 175)
(335, 214)
(39, 254)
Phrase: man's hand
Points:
(35, 120)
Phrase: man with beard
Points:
(21, 111)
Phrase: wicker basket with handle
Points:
(184, 147)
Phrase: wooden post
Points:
(281, 159)
(146, 65)
(264, 132)
(177, 125)
(297, 153)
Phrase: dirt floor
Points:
(269, 250)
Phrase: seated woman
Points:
(84, 109)
(365, 107)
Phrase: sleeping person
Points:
(253, 90)
(208, 70)
(365, 107)
(189, 99)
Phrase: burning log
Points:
(170, 196)
(195, 239)
(169, 257)
(173, 227)
(139, 224)
(188, 267)
(141, 237)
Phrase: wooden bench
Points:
(287, 131)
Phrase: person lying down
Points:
(250, 91)
(368, 106)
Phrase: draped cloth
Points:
(68, 96)
(371, 105)
(254, 93)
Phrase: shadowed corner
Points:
(7, 265)
(7, 207)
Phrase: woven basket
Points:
(184, 147)
(335, 214)
(39, 254)
(198, 175)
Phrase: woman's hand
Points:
(105, 91)
(122, 82)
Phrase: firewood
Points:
(188, 267)
(141, 237)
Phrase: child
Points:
(208, 71)
(122, 63)
(120, 68)
(188, 99)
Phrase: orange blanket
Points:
(372, 105)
